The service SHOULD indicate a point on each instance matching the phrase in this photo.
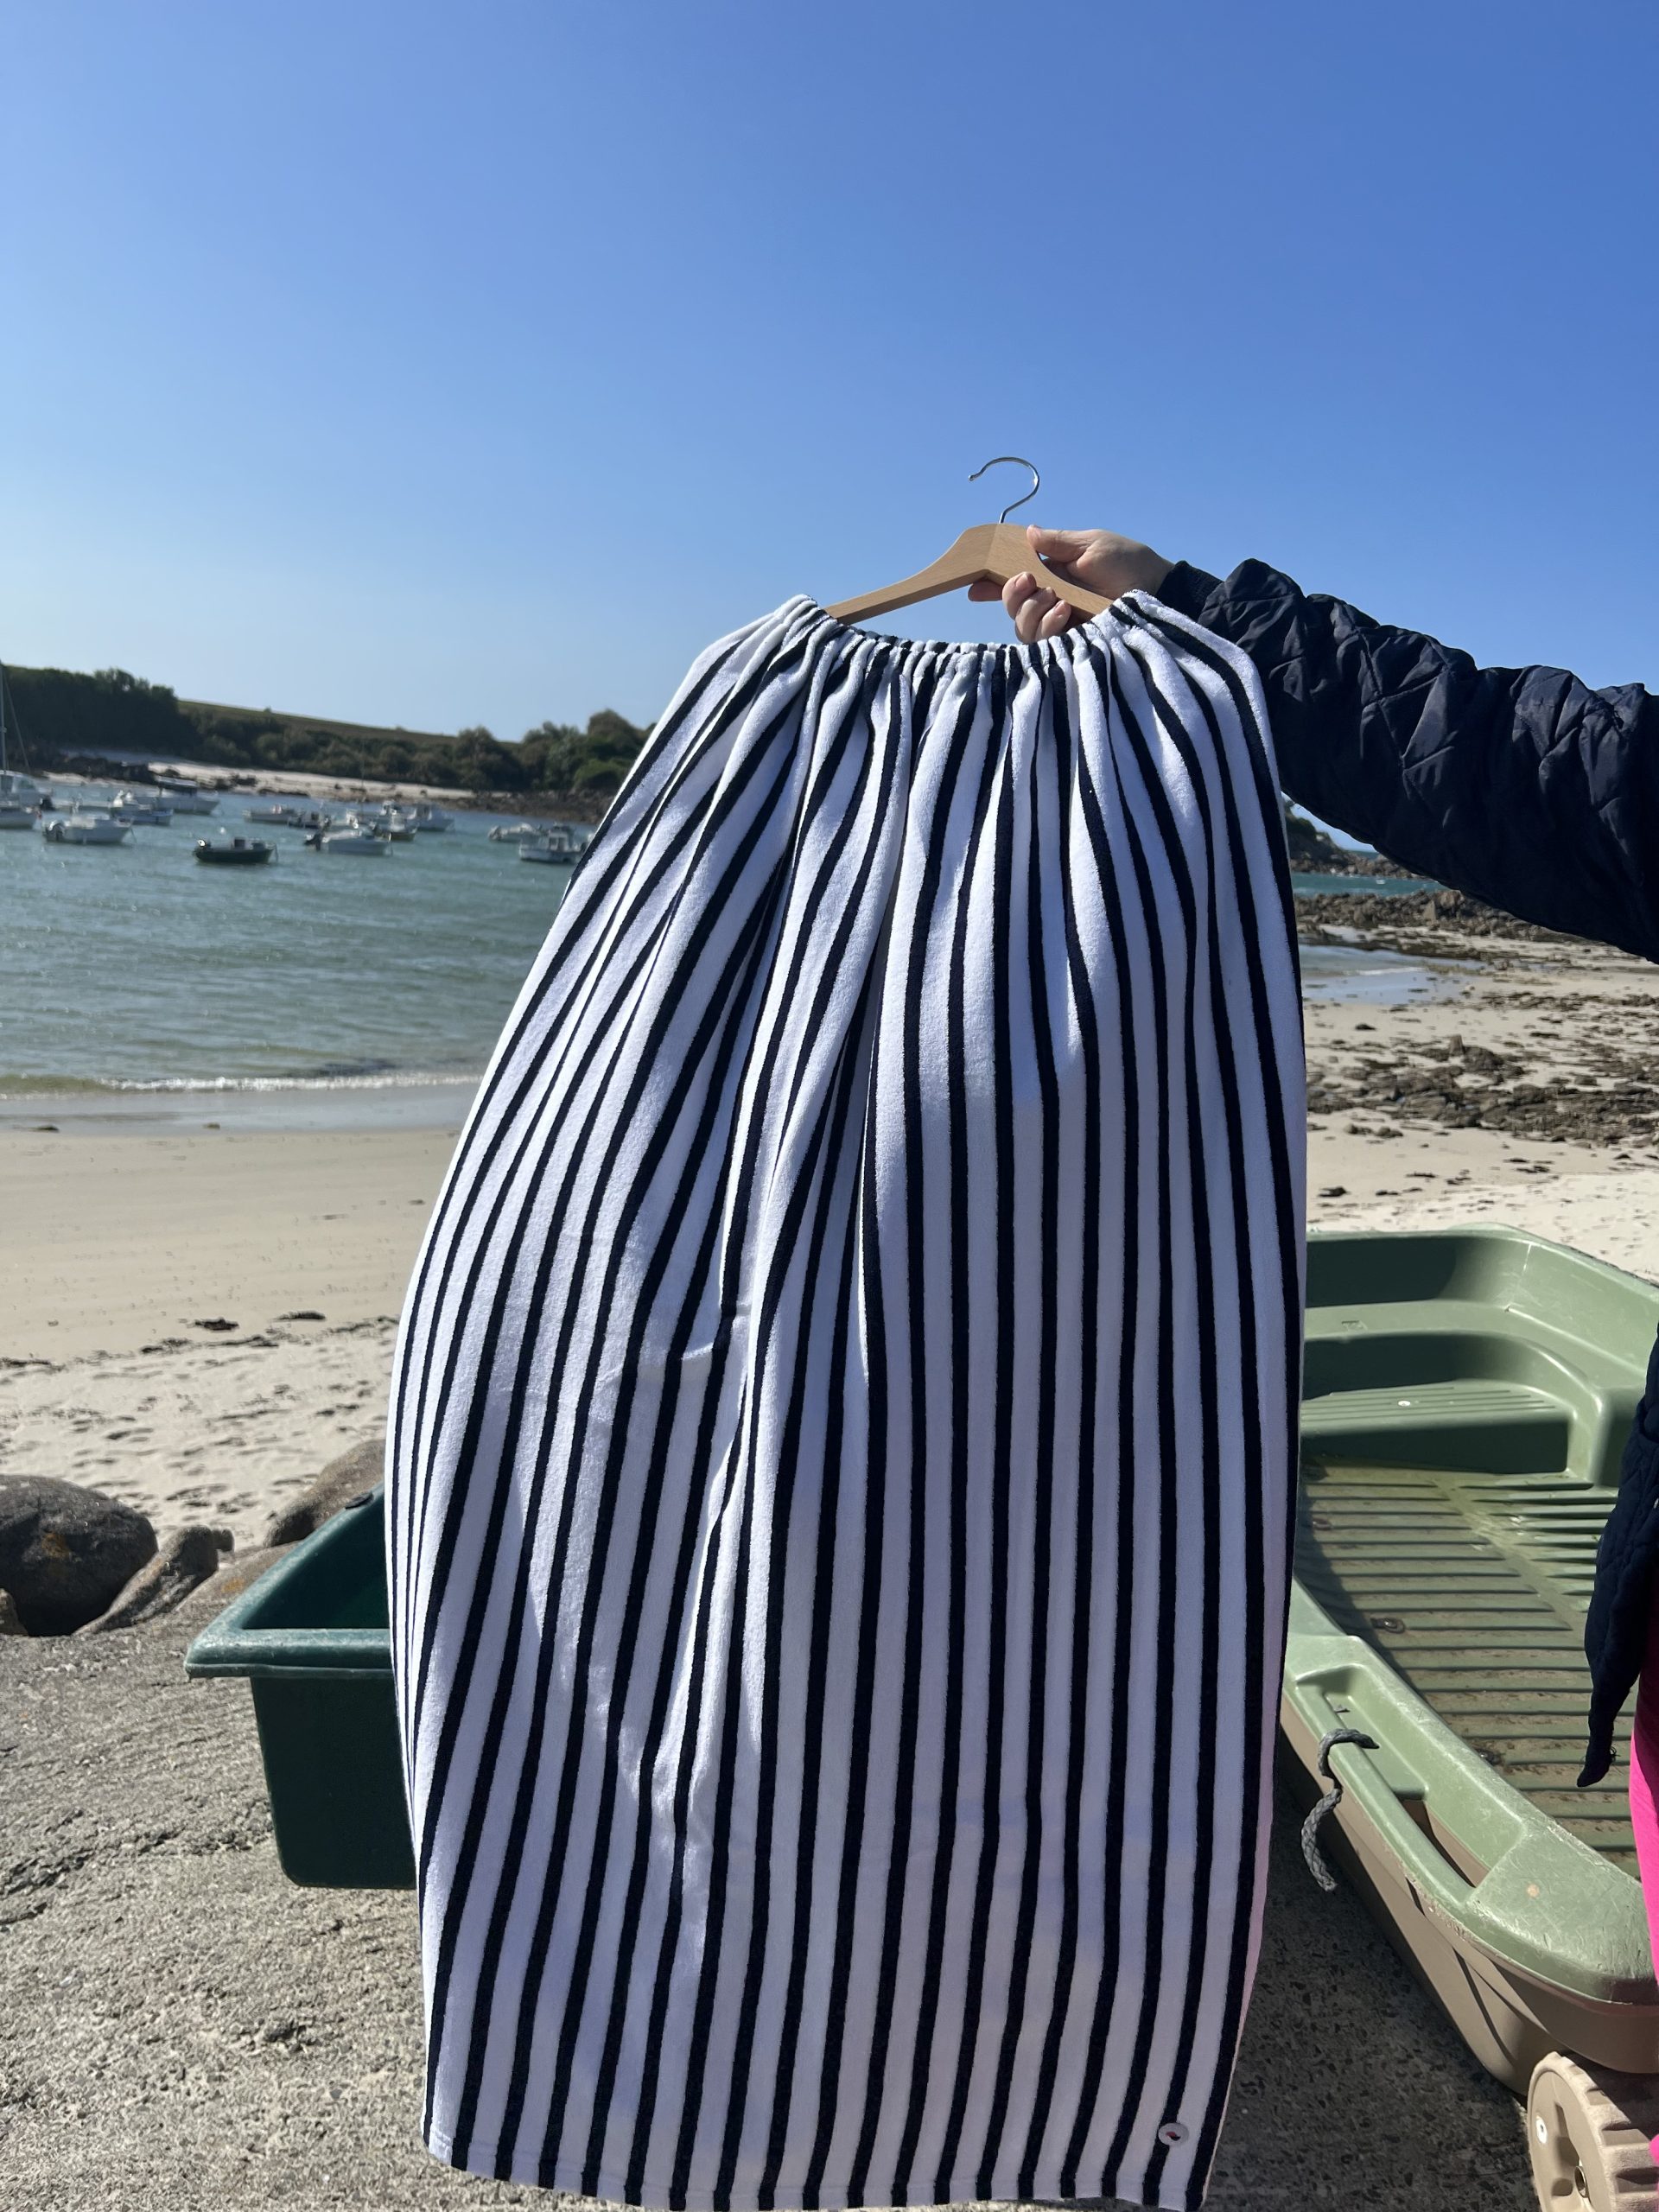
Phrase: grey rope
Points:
(1329, 1802)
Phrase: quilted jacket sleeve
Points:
(1520, 785)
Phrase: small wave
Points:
(371, 1078)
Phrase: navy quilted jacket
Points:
(1522, 788)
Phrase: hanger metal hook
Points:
(1019, 463)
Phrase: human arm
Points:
(1520, 786)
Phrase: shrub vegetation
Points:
(58, 713)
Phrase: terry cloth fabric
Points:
(842, 1444)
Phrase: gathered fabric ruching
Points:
(842, 1444)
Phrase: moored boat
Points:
(275, 813)
(233, 852)
(562, 842)
(383, 821)
(425, 816)
(21, 790)
(88, 828)
(143, 812)
(362, 843)
(185, 797)
(22, 799)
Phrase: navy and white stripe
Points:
(842, 1444)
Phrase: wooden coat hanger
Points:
(997, 550)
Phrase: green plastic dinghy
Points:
(1465, 1399)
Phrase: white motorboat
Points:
(362, 841)
(85, 829)
(312, 817)
(425, 816)
(135, 807)
(13, 817)
(278, 812)
(383, 822)
(561, 844)
(516, 832)
(185, 798)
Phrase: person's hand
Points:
(1099, 559)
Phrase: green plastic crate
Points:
(311, 1637)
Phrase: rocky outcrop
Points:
(1313, 853)
(340, 1484)
(1420, 923)
(165, 1582)
(66, 1553)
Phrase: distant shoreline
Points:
(1310, 851)
(582, 808)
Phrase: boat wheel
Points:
(1588, 2131)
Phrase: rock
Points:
(165, 1582)
(10, 1623)
(340, 1482)
(209, 1599)
(66, 1552)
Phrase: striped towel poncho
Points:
(843, 1442)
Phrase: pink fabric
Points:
(1645, 1790)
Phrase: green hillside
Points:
(60, 715)
(1313, 853)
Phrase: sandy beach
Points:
(1511, 1089)
(198, 1319)
(1523, 1093)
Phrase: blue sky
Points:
(449, 364)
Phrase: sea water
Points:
(328, 986)
(1377, 887)
(137, 967)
